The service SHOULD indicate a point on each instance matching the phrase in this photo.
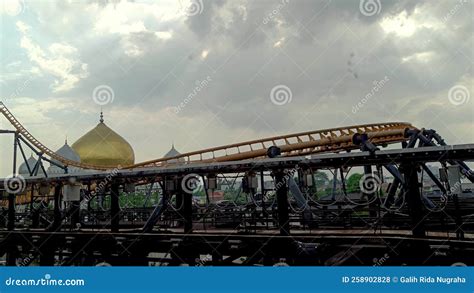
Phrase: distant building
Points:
(174, 153)
(66, 152)
(30, 163)
(104, 147)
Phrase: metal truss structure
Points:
(327, 140)
(287, 223)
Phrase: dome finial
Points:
(65, 140)
(101, 116)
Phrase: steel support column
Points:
(114, 207)
(57, 207)
(11, 212)
(282, 202)
(48, 247)
(179, 206)
(186, 206)
(413, 199)
(390, 200)
(11, 250)
(75, 215)
(370, 196)
(11, 195)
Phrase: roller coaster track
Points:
(304, 143)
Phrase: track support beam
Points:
(413, 198)
(282, 202)
(186, 199)
(115, 207)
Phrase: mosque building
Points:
(173, 153)
(100, 146)
(67, 152)
(104, 147)
(23, 169)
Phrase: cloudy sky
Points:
(207, 73)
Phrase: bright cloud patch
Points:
(60, 60)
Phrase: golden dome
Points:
(104, 147)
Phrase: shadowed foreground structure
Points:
(277, 215)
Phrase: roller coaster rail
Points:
(288, 220)
(304, 143)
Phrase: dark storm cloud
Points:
(327, 53)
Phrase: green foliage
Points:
(320, 178)
(352, 183)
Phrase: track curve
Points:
(304, 143)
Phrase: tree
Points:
(320, 178)
(352, 183)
